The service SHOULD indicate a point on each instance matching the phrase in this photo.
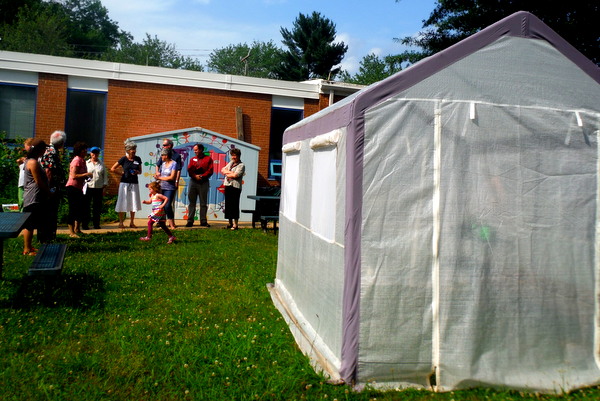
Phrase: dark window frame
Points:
(77, 133)
(34, 111)
(287, 117)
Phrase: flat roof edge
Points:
(158, 75)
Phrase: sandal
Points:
(145, 238)
(234, 228)
(33, 252)
(132, 225)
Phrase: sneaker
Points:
(171, 239)
(145, 238)
(189, 224)
(204, 225)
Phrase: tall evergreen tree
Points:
(311, 51)
(453, 20)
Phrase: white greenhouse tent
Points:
(439, 228)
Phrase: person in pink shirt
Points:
(77, 176)
(158, 202)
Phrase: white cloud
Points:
(133, 8)
(376, 51)
(351, 64)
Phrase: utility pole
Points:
(245, 61)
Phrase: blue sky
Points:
(196, 27)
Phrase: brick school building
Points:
(104, 103)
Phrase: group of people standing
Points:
(45, 184)
(162, 192)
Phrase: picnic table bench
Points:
(255, 216)
(49, 260)
(267, 210)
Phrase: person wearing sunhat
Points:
(36, 193)
(94, 189)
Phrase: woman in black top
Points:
(128, 199)
(36, 193)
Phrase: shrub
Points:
(9, 153)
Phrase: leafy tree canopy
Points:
(152, 52)
(311, 51)
(92, 31)
(79, 28)
(38, 30)
(9, 9)
(373, 69)
(258, 59)
(453, 20)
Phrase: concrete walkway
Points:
(142, 225)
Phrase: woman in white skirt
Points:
(128, 200)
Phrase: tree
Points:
(256, 60)
(38, 26)
(9, 9)
(451, 21)
(373, 69)
(39, 30)
(152, 52)
(92, 32)
(311, 52)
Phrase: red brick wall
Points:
(51, 105)
(135, 109)
(312, 106)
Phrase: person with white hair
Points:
(51, 163)
(128, 199)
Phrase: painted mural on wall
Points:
(217, 146)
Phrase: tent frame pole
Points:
(435, 245)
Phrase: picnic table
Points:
(11, 225)
(267, 209)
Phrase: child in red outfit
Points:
(158, 216)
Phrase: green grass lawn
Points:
(128, 320)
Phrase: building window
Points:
(323, 196)
(280, 119)
(86, 115)
(290, 189)
(17, 110)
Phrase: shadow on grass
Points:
(80, 291)
(83, 247)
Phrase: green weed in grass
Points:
(129, 320)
